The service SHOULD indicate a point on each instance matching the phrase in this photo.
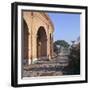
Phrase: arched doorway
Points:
(25, 39)
(41, 43)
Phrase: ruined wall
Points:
(34, 21)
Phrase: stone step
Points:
(52, 67)
(47, 67)
(41, 73)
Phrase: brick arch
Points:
(25, 41)
(41, 43)
(37, 22)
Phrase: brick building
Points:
(37, 36)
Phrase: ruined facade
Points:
(37, 36)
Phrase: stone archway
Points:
(25, 42)
(41, 43)
(37, 42)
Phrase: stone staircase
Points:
(53, 67)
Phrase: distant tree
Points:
(61, 43)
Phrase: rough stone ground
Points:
(55, 67)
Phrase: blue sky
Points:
(66, 26)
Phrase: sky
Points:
(66, 26)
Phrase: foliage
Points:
(61, 43)
(74, 60)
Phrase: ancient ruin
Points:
(37, 36)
